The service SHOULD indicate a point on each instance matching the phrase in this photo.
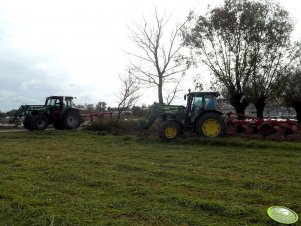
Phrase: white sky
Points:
(77, 47)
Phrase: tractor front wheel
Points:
(169, 130)
(71, 120)
(27, 123)
(39, 122)
(211, 125)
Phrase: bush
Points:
(115, 127)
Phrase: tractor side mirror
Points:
(185, 97)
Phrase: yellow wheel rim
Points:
(211, 128)
(170, 132)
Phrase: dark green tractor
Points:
(201, 115)
(58, 111)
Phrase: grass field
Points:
(81, 178)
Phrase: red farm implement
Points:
(264, 126)
(95, 115)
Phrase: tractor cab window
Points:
(69, 103)
(197, 105)
(198, 102)
(210, 102)
(55, 102)
(51, 102)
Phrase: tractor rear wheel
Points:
(27, 123)
(71, 120)
(211, 125)
(169, 130)
(39, 122)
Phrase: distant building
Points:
(270, 111)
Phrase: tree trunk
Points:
(119, 115)
(259, 105)
(160, 94)
(297, 107)
(240, 104)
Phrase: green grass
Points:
(81, 178)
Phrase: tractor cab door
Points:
(69, 103)
(56, 106)
(195, 105)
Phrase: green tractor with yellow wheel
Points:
(201, 116)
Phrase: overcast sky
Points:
(78, 47)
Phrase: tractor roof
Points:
(54, 97)
(204, 93)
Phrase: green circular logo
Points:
(282, 215)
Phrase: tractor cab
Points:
(59, 102)
(57, 106)
(199, 102)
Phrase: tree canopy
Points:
(291, 92)
(247, 46)
(101, 106)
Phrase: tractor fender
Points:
(169, 117)
(165, 117)
(68, 110)
(71, 109)
(209, 111)
(37, 112)
(212, 111)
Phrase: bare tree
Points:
(129, 93)
(158, 61)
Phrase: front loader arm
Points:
(163, 111)
(151, 116)
(23, 109)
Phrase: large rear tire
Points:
(211, 125)
(71, 120)
(39, 122)
(169, 130)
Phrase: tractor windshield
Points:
(57, 102)
(54, 102)
(50, 102)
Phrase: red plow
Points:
(263, 126)
(95, 115)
